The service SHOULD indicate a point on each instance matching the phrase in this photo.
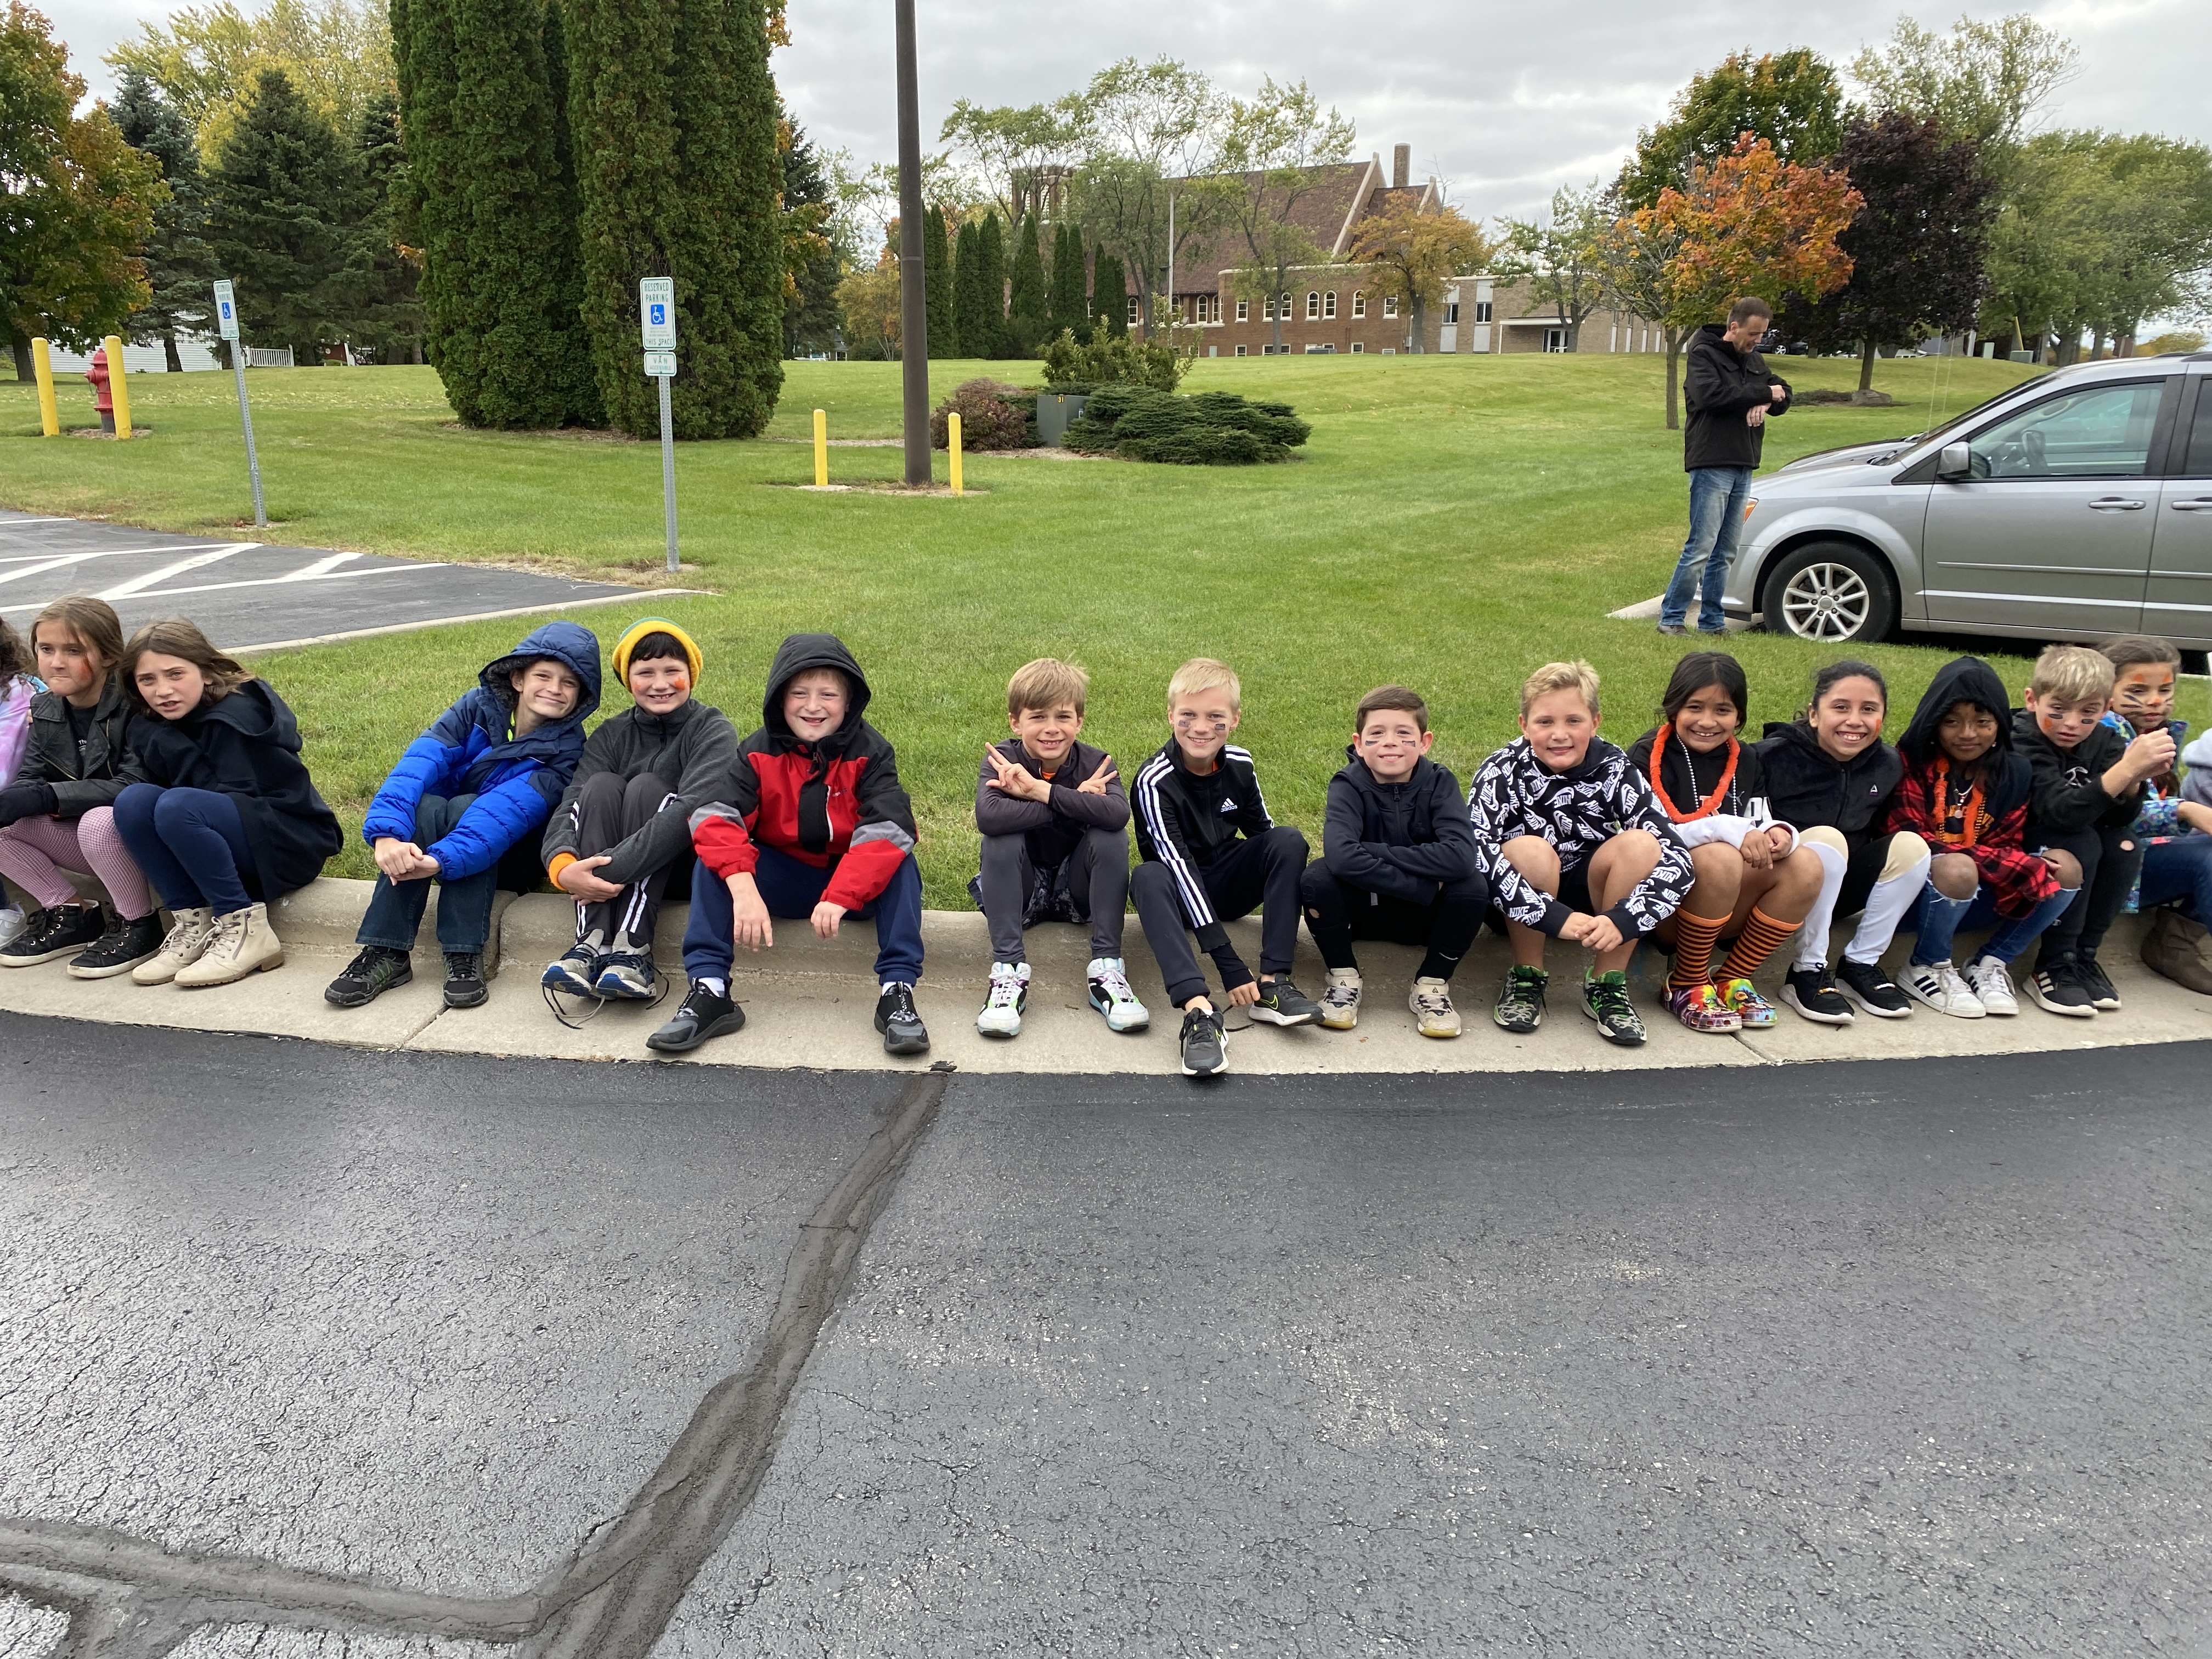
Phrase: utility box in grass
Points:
(1054, 411)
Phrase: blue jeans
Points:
(395, 909)
(792, 888)
(190, 843)
(1717, 497)
(2181, 870)
(1938, 920)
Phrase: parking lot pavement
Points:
(253, 595)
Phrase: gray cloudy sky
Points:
(1503, 102)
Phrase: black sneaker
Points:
(900, 1023)
(625, 976)
(2060, 987)
(1520, 1007)
(2102, 995)
(1865, 983)
(1605, 999)
(465, 980)
(1204, 1045)
(704, 1015)
(1812, 992)
(376, 970)
(121, 948)
(575, 972)
(1282, 1002)
(63, 930)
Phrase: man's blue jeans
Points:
(792, 888)
(1717, 497)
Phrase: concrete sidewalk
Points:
(809, 1003)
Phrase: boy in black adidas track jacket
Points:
(1209, 853)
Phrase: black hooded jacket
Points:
(1807, 787)
(1401, 840)
(2068, 791)
(1720, 387)
(2006, 775)
(246, 745)
(79, 780)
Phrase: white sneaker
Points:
(12, 922)
(1339, 1003)
(1009, 994)
(1992, 984)
(1111, 996)
(1433, 1013)
(1941, 988)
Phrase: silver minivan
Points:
(2074, 505)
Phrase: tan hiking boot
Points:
(244, 943)
(189, 933)
(1431, 1005)
(2178, 949)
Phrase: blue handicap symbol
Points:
(659, 313)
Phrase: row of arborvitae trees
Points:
(560, 152)
(982, 304)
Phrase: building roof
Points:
(1330, 208)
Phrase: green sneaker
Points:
(1605, 999)
(1520, 1007)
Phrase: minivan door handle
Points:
(2115, 504)
(2202, 504)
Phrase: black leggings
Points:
(1337, 912)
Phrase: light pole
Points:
(914, 291)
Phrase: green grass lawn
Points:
(1453, 522)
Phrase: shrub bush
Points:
(1212, 428)
(992, 416)
(1112, 360)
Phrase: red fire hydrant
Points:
(103, 395)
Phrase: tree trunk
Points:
(1866, 366)
(1674, 378)
(2097, 344)
(1418, 340)
(176, 364)
(1574, 341)
(26, 371)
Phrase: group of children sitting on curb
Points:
(164, 761)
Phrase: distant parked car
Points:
(1797, 348)
(2075, 505)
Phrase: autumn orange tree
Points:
(1414, 253)
(1750, 223)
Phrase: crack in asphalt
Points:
(128, 1597)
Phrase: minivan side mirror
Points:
(1956, 461)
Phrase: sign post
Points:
(226, 316)
(656, 310)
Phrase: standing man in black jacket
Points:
(1730, 394)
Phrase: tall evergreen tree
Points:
(284, 213)
(971, 321)
(1109, 290)
(991, 276)
(809, 314)
(937, 270)
(580, 384)
(1070, 299)
(1028, 316)
(391, 316)
(675, 116)
(177, 269)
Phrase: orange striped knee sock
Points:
(1761, 937)
(1694, 938)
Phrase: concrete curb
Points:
(810, 1004)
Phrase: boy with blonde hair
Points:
(2175, 888)
(2088, 786)
(1055, 821)
(1210, 854)
(1575, 848)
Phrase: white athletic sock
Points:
(1813, 936)
(713, 987)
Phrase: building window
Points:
(1451, 311)
(1389, 305)
(1328, 303)
(1358, 349)
(1359, 303)
(1240, 351)
(1269, 304)
(1390, 352)
(1243, 313)
(1482, 311)
(1286, 307)
(1555, 339)
(1136, 313)
(1313, 305)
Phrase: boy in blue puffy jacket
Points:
(465, 805)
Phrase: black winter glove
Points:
(27, 800)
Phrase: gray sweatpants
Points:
(1097, 880)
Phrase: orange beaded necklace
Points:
(1711, 803)
(1973, 806)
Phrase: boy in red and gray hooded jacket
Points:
(816, 825)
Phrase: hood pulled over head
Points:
(1963, 680)
(573, 647)
(794, 657)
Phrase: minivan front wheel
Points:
(1830, 592)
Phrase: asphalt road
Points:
(373, 1353)
(253, 594)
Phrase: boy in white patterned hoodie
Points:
(1575, 848)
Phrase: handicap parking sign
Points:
(656, 300)
(226, 311)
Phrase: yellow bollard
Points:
(952, 448)
(821, 448)
(118, 385)
(42, 361)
